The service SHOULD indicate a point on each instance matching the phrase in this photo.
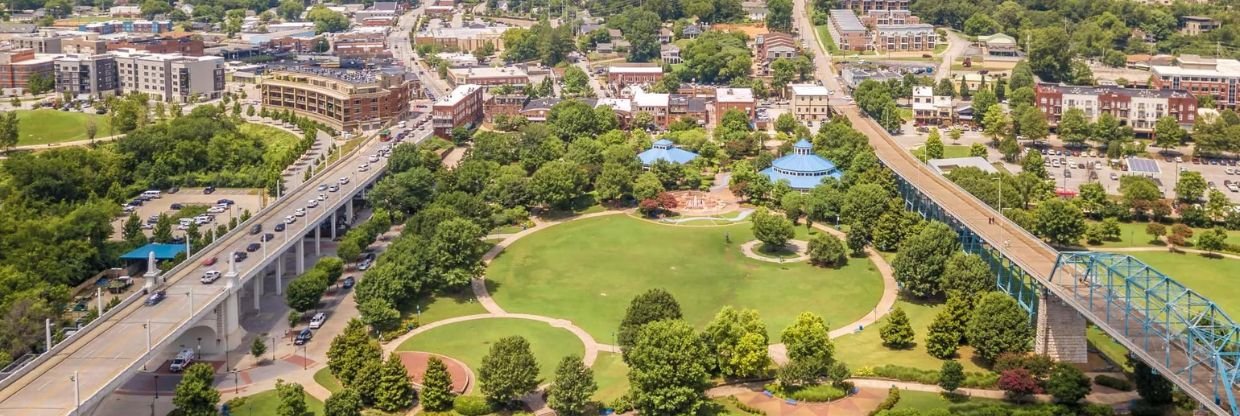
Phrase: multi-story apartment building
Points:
(87, 75)
(84, 45)
(183, 45)
(460, 108)
(930, 109)
(170, 77)
(621, 76)
(1201, 76)
(1196, 25)
(906, 37)
(343, 99)
(488, 76)
(809, 102)
(864, 6)
(464, 39)
(775, 45)
(655, 104)
(127, 26)
(1136, 108)
(504, 105)
(18, 66)
(889, 17)
(734, 98)
(847, 31)
(36, 43)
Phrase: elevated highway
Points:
(83, 369)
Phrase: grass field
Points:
(612, 376)
(278, 142)
(921, 400)
(471, 340)
(587, 271)
(824, 36)
(265, 403)
(445, 306)
(1132, 234)
(949, 151)
(865, 348)
(52, 126)
(325, 378)
(1109, 348)
(1212, 277)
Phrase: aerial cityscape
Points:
(603, 207)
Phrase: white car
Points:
(333, 188)
(317, 321)
(301, 212)
(363, 167)
(322, 187)
(290, 219)
(322, 196)
(344, 180)
(203, 219)
(312, 203)
(373, 158)
(217, 209)
(210, 277)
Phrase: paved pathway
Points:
(801, 248)
(740, 217)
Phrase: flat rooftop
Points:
(459, 93)
(809, 89)
(635, 69)
(846, 20)
(489, 72)
(734, 95)
(1189, 67)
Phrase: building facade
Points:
(183, 45)
(1201, 76)
(810, 102)
(864, 6)
(847, 31)
(488, 76)
(346, 100)
(734, 99)
(905, 37)
(87, 75)
(18, 66)
(622, 76)
(460, 108)
(930, 109)
(170, 77)
(1136, 108)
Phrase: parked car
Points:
(210, 276)
(317, 321)
(348, 282)
(176, 206)
(182, 360)
(155, 298)
(303, 337)
(208, 190)
(365, 264)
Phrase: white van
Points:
(182, 360)
(151, 194)
(185, 222)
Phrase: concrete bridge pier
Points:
(279, 274)
(318, 240)
(1060, 330)
(257, 281)
(331, 222)
(300, 252)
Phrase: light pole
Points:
(273, 348)
(77, 394)
(1000, 179)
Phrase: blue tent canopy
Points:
(162, 251)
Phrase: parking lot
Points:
(1218, 173)
(244, 199)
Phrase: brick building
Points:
(342, 99)
(734, 98)
(508, 105)
(847, 31)
(1201, 76)
(622, 76)
(460, 108)
(183, 45)
(1136, 108)
(18, 66)
(488, 76)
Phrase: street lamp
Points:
(77, 396)
(273, 348)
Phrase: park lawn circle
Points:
(588, 270)
(469, 341)
(52, 126)
(266, 402)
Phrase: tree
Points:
(40, 83)
(327, 20)
(163, 229)
(304, 292)
(1018, 383)
(1067, 384)
(1151, 386)
(508, 371)
(651, 306)
(945, 87)
(640, 29)
(978, 150)
(996, 123)
(1033, 165)
(395, 390)
(983, 100)
(436, 386)
(1191, 187)
(1168, 133)
(351, 351)
(736, 342)
(779, 15)
(786, 123)
(772, 230)
(998, 325)
(808, 338)
(557, 183)
(968, 274)
(1059, 222)
(1155, 230)
(292, 399)
(647, 186)
(897, 332)
(574, 385)
(943, 336)
(152, 8)
(576, 82)
(1073, 126)
(827, 251)
(921, 259)
(345, 402)
(132, 231)
(1048, 56)
(195, 395)
(667, 369)
(290, 9)
(934, 145)
(1213, 240)
(1033, 124)
(951, 375)
(379, 314)
(258, 348)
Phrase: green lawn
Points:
(279, 143)
(1211, 277)
(824, 36)
(949, 151)
(445, 306)
(52, 126)
(921, 400)
(471, 340)
(1132, 234)
(265, 403)
(612, 376)
(1109, 348)
(325, 378)
(587, 271)
(865, 348)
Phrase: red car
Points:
(208, 261)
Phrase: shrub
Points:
(1018, 383)
(1113, 382)
(745, 407)
(972, 380)
(893, 397)
(819, 393)
(471, 405)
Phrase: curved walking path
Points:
(740, 217)
(801, 248)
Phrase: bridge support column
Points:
(301, 255)
(258, 291)
(230, 310)
(331, 222)
(318, 240)
(279, 274)
(348, 210)
(1060, 330)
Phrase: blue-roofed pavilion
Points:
(802, 168)
(664, 149)
(162, 252)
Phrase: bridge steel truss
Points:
(1156, 318)
(1009, 277)
(1175, 326)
